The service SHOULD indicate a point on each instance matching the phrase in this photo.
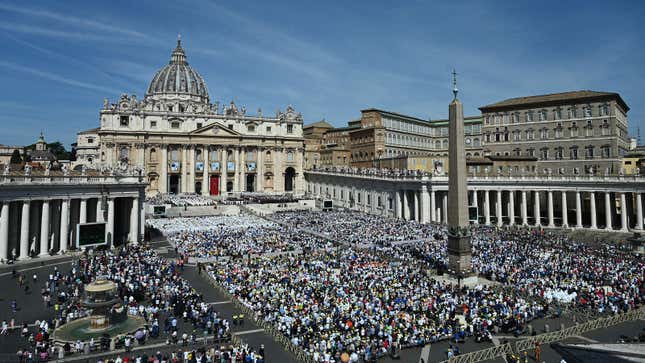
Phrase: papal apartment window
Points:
(529, 116)
(289, 129)
(90, 140)
(573, 153)
(125, 121)
(542, 115)
(587, 111)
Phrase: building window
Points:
(544, 134)
(587, 111)
(153, 123)
(589, 152)
(230, 126)
(544, 154)
(476, 142)
(517, 152)
(530, 152)
(268, 129)
(542, 115)
(559, 151)
(529, 116)
(571, 112)
(90, 140)
(251, 128)
(516, 118)
(289, 129)
(174, 125)
(558, 114)
(125, 121)
(606, 151)
(199, 125)
(604, 110)
(290, 156)
(573, 153)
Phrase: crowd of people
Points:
(180, 200)
(206, 238)
(148, 286)
(222, 354)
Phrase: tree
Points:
(15, 157)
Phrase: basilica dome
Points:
(178, 78)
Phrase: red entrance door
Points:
(214, 185)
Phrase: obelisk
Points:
(459, 248)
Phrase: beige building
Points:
(570, 132)
(6, 151)
(313, 134)
(186, 144)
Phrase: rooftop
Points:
(553, 99)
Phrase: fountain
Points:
(108, 316)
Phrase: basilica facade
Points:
(183, 143)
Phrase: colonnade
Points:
(611, 204)
(49, 225)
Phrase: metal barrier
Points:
(529, 343)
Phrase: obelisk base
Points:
(459, 256)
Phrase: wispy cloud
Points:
(56, 78)
(73, 21)
(52, 33)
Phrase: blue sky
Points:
(330, 59)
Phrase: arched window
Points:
(267, 157)
(124, 152)
(153, 155)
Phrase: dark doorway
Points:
(198, 187)
(289, 175)
(174, 184)
(214, 185)
(250, 182)
(229, 186)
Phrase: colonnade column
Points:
(536, 208)
(134, 220)
(110, 222)
(44, 230)
(223, 171)
(163, 178)
(24, 231)
(64, 222)
(82, 218)
(525, 217)
(639, 212)
(99, 209)
(623, 212)
(476, 205)
(397, 204)
(184, 169)
(550, 208)
(487, 207)
(592, 202)
(4, 230)
(417, 206)
(433, 206)
(498, 208)
(608, 223)
(511, 207)
(206, 183)
(565, 210)
(578, 210)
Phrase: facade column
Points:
(397, 204)
(498, 208)
(206, 160)
(44, 230)
(259, 174)
(184, 168)
(425, 204)
(444, 208)
(476, 205)
(64, 222)
(525, 217)
(110, 221)
(433, 206)
(608, 222)
(578, 210)
(511, 207)
(82, 218)
(236, 179)
(565, 210)
(592, 202)
(639, 212)
(549, 202)
(242, 169)
(223, 172)
(193, 169)
(163, 175)
(4, 231)
(487, 207)
(417, 206)
(24, 231)
(406, 206)
(99, 210)
(134, 220)
(623, 213)
(536, 208)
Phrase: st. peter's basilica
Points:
(186, 144)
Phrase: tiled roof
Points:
(555, 98)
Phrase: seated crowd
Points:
(180, 200)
